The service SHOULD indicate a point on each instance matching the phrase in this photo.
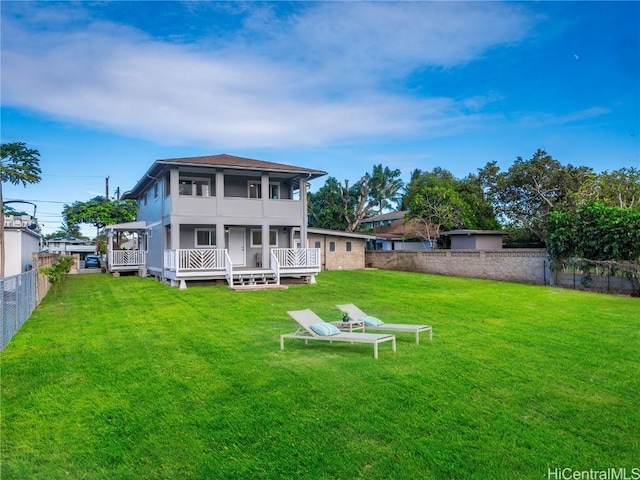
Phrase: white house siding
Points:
(20, 244)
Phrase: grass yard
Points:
(126, 378)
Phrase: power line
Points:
(40, 201)
(73, 176)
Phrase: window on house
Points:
(144, 199)
(348, 246)
(155, 190)
(205, 237)
(256, 238)
(274, 191)
(195, 187)
(254, 189)
(317, 244)
(332, 246)
(167, 184)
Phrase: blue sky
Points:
(102, 89)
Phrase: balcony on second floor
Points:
(239, 196)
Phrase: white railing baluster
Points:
(125, 258)
(297, 257)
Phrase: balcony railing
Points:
(205, 262)
(297, 257)
(126, 258)
(195, 259)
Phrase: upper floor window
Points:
(156, 188)
(195, 187)
(205, 237)
(254, 188)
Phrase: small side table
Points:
(349, 326)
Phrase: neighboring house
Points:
(465, 239)
(393, 232)
(69, 246)
(383, 220)
(218, 217)
(21, 240)
(339, 250)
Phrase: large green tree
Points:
(325, 207)
(100, 211)
(343, 206)
(618, 188)
(595, 231)
(437, 208)
(597, 235)
(525, 194)
(440, 202)
(356, 202)
(18, 164)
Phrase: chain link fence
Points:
(18, 301)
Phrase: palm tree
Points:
(70, 229)
(18, 164)
(385, 186)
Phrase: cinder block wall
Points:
(340, 259)
(513, 265)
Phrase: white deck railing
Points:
(196, 259)
(275, 267)
(297, 257)
(126, 258)
(228, 269)
(202, 261)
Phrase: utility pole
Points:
(106, 188)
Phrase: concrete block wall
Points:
(513, 265)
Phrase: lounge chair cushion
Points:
(371, 321)
(324, 329)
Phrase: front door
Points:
(236, 246)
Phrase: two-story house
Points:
(218, 217)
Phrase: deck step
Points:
(254, 278)
(258, 287)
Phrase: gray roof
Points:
(340, 233)
(386, 216)
(464, 231)
(221, 161)
(128, 226)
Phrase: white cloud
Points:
(543, 119)
(315, 77)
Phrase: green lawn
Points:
(126, 378)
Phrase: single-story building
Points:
(21, 240)
(392, 231)
(339, 250)
(70, 246)
(467, 239)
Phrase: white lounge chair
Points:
(312, 327)
(377, 325)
